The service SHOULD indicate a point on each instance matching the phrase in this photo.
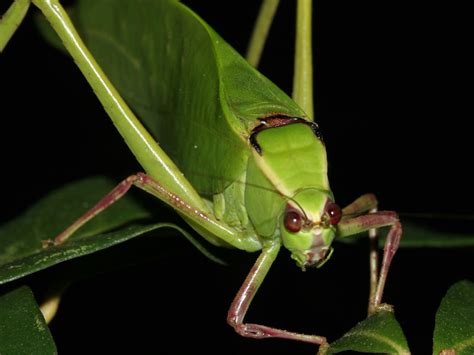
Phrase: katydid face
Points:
(307, 227)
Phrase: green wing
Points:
(196, 95)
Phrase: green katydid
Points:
(265, 161)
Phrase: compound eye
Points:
(334, 212)
(293, 221)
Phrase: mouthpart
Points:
(314, 257)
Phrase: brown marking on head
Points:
(280, 120)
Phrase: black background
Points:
(391, 96)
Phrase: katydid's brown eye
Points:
(293, 221)
(334, 212)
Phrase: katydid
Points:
(252, 171)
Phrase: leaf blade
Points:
(454, 328)
(379, 333)
(23, 329)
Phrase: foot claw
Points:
(47, 243)
(251, 331)
(323, 348)
(383, 307)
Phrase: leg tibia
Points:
(203, 218)
(109, 199)
(369, 222)
(367, 203)
(257, 331)
(241, 303)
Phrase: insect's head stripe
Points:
(280, 121)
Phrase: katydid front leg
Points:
(353, 223)
(241, 303)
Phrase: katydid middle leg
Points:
(353, 222)
(367, 203)
(150, 185)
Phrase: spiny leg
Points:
(145, 182)
(370, 222)
(367, 203)
(390, 248)
(303, 66)
(241, 303)
(118, 192)
(361, 205)
(373, 262)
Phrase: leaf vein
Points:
(399, 349)
(464, 344)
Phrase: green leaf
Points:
(23, 329)
(379, 333)
(21, 251)
(454, 327)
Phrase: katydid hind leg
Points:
(370, 222)
(145, 182)
(241, 303)
(260, 31)
(11, 20)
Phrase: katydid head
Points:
(308, 227)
